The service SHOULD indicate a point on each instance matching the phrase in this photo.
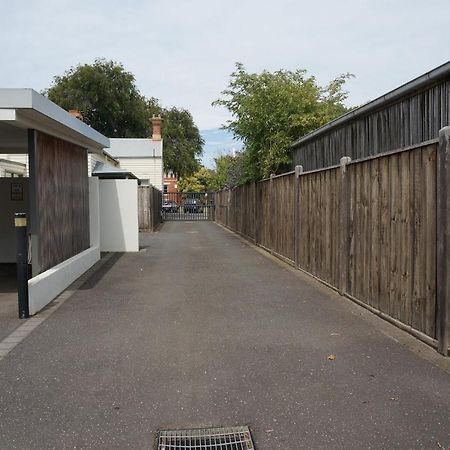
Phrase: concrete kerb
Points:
(21, 332)
(405, 339)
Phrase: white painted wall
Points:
(93, 158)
(94, 212)
(46, 286)
(118, 216)
(145, 168)
(43, 288)
(7, 209)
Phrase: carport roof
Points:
(26, 108)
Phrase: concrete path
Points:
(200, 329)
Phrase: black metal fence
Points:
(188, 206)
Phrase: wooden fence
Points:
(149, 207)
(376, 229)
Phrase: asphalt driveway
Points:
(200, 329)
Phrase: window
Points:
(166, 187)
(9, 174)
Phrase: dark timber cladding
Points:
(62, 200)
(409, 115)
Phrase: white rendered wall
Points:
(7, 209)
(94, 212)
(46, 286)
(43, 288)
(118, 216)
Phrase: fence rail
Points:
(367, 228)
(149, 206)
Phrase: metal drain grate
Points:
(234, 438)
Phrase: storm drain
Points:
(234, 438)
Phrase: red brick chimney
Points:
(156, 127)
(77, 114)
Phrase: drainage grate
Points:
(235, 438)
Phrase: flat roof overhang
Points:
(25, 109)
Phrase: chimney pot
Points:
(76, 113)
(156, 127)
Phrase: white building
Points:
(142, 157)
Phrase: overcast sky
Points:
(182, 51)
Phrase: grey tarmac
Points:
(201, 329)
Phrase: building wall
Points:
(93, 158)
(62, 200)
(118, 216)
(145, 169)
(170, 184)
(8, 207)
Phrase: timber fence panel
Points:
(368, 228)
(393, 236)
(221, 207)
(143, 207)
(282, 216)
(149, 207)
(264, 214)
(319, 217)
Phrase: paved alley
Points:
(201, 329)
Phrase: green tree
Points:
(229, 170)
(203, 180)
(271, 110)
(183, 144)
(107, 96)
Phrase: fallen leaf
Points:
(331, 357)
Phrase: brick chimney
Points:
(75, 113)
(156, 127)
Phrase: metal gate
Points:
(188, 206)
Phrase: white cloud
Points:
(183, 52)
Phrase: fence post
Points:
(272, 211)
(150, 207)
(443, 242)
(344, 249)
(255, 213)
(298, 172)
(228, 207)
